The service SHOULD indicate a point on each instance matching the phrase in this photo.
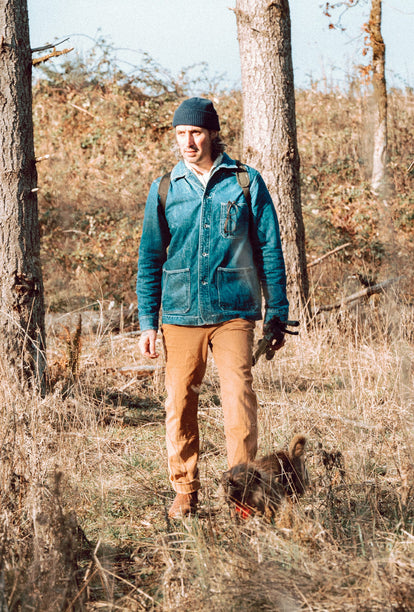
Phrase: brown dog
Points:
(260, 486)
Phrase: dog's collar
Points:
(244, 511)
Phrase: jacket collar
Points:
(181, 170)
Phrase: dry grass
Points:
(98, 457)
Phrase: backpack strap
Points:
(163, 188)
(244, 181)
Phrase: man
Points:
(204, 260)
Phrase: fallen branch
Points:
(93, 321)
(139, 370)
(358, 295)
(314, 263)
(129, 334)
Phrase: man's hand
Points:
(147, 343)
(273, 337)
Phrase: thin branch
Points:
(83, 110)
(49, 46)
(42, 158)
(314, 263)
(39, 60)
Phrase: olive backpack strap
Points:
(244, 181)
(163, 188)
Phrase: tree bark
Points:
(270, 140)
(379, 181)
(22, 331)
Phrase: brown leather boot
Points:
(184, 504)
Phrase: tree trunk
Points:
(22, 335)
(379, 167)
(270, 141)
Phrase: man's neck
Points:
(202, 168)
(204, 175)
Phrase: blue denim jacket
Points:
(209, 256)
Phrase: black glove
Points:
(273, 337)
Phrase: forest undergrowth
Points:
(102, 141)
(84, 486)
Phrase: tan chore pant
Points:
(186, 351)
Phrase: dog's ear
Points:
(297, 446)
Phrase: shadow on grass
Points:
(131, 408)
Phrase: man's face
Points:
(194, 143)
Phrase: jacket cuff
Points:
(148, 322)
(282, 313)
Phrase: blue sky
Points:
(179, 33)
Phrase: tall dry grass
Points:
(85, 489)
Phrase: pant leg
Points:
(186, 351)
(232, 344)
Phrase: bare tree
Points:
(379, 182)
(270, 140)
(22, 335)
(375, 42)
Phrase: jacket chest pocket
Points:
(234, 219)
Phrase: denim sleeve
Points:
(265, 237)
(152, 255)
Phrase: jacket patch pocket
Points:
(176, 291)
(238, 289)
(234, 219)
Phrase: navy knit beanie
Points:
(198, 112)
